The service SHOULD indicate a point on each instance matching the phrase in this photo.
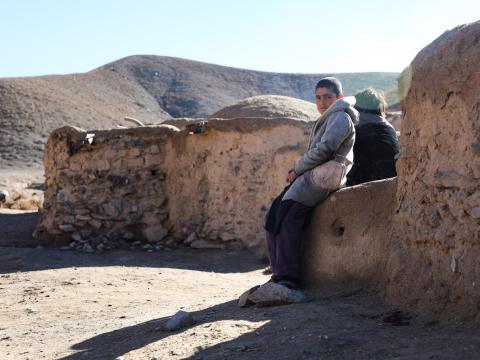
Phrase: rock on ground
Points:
(181, 319)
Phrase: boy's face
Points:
(325, 98)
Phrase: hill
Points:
(30, 108)
(150, 88)
(186, 88)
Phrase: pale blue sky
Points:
(303, 36)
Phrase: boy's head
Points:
(371, 101)
(327, 91)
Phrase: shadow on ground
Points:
(15, 255)
(14, 259)
(334, 327)
(16, 229)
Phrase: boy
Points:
(332, 138)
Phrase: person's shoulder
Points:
(341, 118)
(339, 115)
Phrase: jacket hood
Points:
(346, 104)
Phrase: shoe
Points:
(287, 281)
(291, 284)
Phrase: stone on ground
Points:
(3, 196)
(178, 321)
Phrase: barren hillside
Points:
(186, 88)
(150, 88)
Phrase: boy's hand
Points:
(291, 176)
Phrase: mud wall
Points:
(208, 185)
(435, 257)
(349, 235)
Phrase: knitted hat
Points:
(330, 83)
(370, 99)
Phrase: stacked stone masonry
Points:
(159, 186)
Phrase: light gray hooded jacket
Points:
(333, 134)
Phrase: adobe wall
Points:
(229, 175)
(435, 258)
(209, 187)
(349, 235)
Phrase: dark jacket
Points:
(376, 145)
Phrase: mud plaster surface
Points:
(437, 220)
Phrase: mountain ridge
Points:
(147, 87)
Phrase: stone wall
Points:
(208, 185)
(434, 261)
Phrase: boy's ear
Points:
(340, 96)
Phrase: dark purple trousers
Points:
(284, 247)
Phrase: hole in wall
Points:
(338, 228)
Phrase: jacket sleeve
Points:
(338, 127)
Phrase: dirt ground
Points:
(60, 304)
(21, 178)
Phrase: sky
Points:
(300, 36)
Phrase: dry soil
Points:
(60, 304)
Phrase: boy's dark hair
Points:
(371, 101)
(330, 83)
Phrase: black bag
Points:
(277, 211)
